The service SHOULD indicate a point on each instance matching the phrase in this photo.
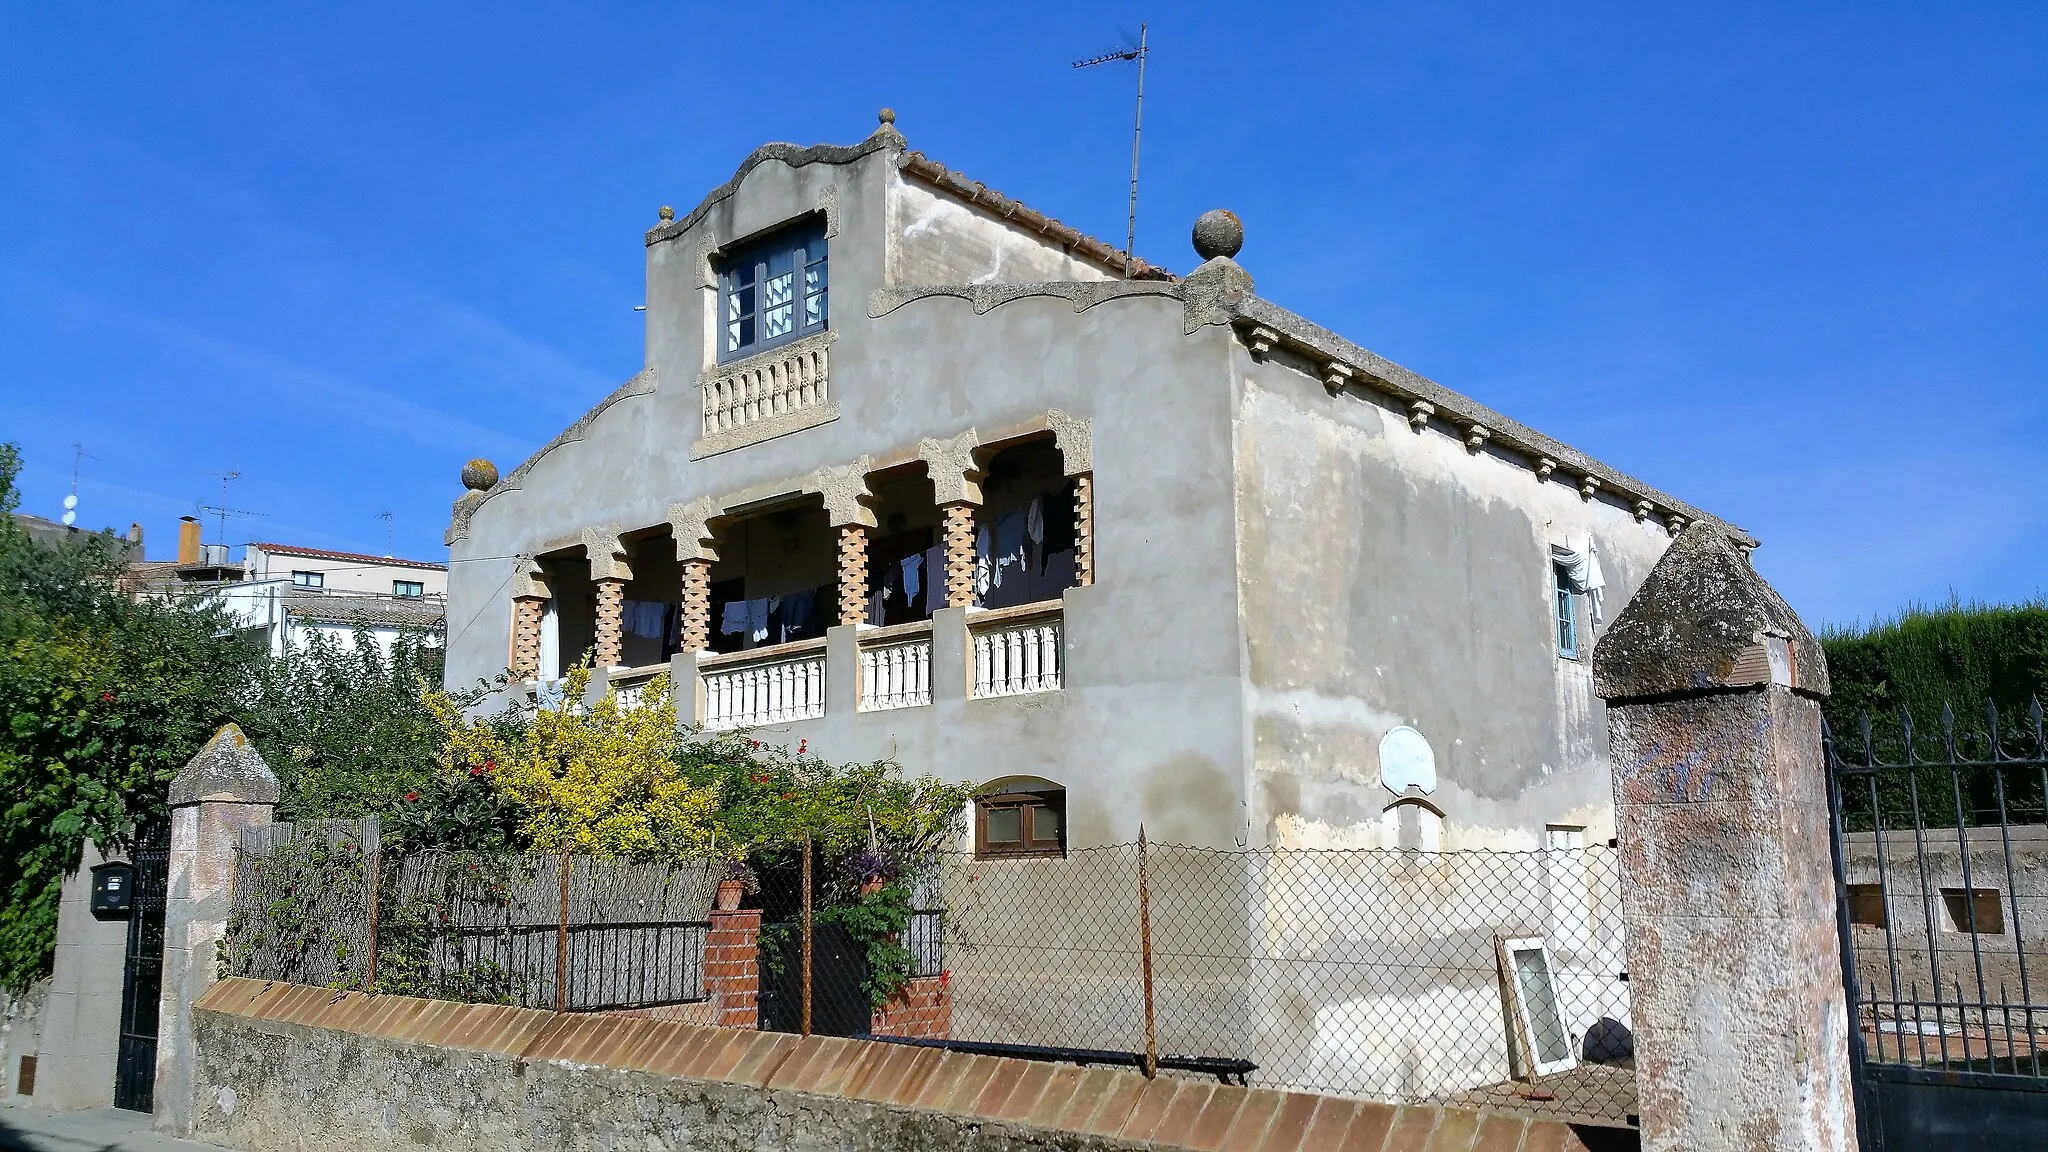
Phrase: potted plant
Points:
(734, 884)
(870, 870)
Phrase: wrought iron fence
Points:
(1942, 845)
(319, 904)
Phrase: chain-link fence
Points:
(1475, 977)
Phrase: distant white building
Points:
(288, 594)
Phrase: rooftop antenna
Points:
(1137, 126)
(78, 453)
(221, 510)
(385, 516)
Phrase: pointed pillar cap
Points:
(228, 770)
(1704, 620)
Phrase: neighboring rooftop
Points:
(369, 608)
(351, 557)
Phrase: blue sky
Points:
(1788, 262)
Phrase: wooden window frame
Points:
(804, 242)
(1565, 609)
(1029, 848)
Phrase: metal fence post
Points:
(806, 1007)
(562, 943)
(1145, 954)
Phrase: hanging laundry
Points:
(913, 569)
(1034, 534)
(733, 621)
(798, 611)
(984, 561)
(935, 587)
(1009, 545)
(757, 620)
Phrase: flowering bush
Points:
(603, 780)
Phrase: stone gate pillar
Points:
(1713, 687)
(225, 788)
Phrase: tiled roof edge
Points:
(796, 156)
(973, 192)
(1376, 371)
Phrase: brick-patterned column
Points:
(959, 555)
(853, 574)
(1713, 690)
(526, 617)
(1084, 529)
(611, 609)
(732, 967)
(696, 609)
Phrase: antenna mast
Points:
(1137, 128)
(221, 510)
(78, 454)
(385, 516)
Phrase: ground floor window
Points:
(1021, 824)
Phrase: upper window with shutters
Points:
(772, 291)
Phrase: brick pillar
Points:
(526, 618)
(732, 967)
(611, 609)
(853, 574)
(1084, 529)
(696, 610)
(1713, 687)
(959, 555)
(225, 788)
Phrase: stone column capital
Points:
(690, 526)
(227, 770)
(530, 580)
(608, 556)
(1705, 621)
(954, 467)
(844, 490)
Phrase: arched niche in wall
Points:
(1413, 823)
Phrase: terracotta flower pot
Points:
(729, 893)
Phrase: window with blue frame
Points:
(1567, 611)
(772, 291)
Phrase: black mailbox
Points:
(113, 890)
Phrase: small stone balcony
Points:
(961, 653)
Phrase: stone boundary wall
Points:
(282, 1066)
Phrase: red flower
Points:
(106, 696)
(946, 976)
(476, 769)
(803, 746)
(490, 765)
(411, 796)
(755, 743)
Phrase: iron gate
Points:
(1941, 871)
(142, 977)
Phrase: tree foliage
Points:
(345, 726)
(1960, 655)
(103, 699)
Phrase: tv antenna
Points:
(78, 453)
(385, 516)
(1137, 126)
(221, 510)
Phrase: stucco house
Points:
(913, 471)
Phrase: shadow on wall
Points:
(1183, 795)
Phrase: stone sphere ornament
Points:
(1218, 232)
(479, 474)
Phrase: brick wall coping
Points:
(1109, 1108)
